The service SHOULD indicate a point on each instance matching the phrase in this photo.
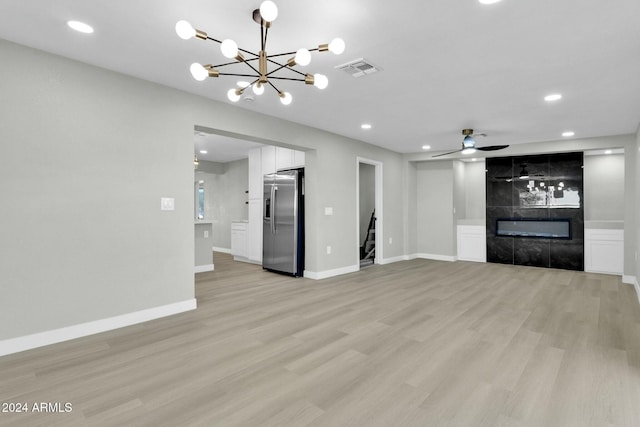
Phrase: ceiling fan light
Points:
(185, 30)
(285, 98)
(320, 81)
(268, 11)
(468, 142)
(469, 150)
(229, 48)
(337, 46)
(198, 72)
(234, 95)
(303, 57)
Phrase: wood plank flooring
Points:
(416, 343)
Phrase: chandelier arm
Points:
(276, 69)
(241, 50)
(233, 63)
(289, 53)
(238, 75)
(273, 86)
(252, 67)
(287, 78)
(284, 66)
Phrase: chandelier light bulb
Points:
(337, 46)
(268, 11)
(185, 30)
(229, 48)
(285, 98)
(198, 72)
(233, 95)
(258, 88)
(303, 57)
(320, 81)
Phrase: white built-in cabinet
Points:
(472, 243)
(239, 240)
(279, 158)
(604, 251)
(264, 160)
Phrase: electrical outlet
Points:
(328, 250)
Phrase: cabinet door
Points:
(239, 243)
(268, 160)
(284, 158)
(298, 159)
(254, 231)
(255, 173)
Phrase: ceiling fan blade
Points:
(492, 148)
(444, 154)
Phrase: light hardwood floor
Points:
(416, 343)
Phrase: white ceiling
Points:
(446, 64)
(221, 149)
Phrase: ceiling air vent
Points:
(358, 68)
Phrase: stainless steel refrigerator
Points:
(283, 222)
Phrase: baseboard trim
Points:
(437, 257)
(394, 259)
(319, 275)
(223, 250)
(41, 339)
(203, 268)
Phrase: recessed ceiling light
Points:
(489, 1)
(474, 160)
(553, 97)
(608, 152)
(569, 133)
(365, 126)
(203, 151)
(426, 147)
(80, 27)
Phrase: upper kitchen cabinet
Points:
(279, 158)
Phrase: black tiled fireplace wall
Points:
(503, 201)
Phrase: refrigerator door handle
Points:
(274, 193)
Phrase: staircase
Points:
(368, 249)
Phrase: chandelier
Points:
(260, 73)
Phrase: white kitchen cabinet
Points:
(239, 240)
(268, 159)
(254, 231)
(255, 173)
(284, 158)
(472, 243)
(604, 251)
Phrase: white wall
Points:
(435, 218)
(86, 155)
(604, 187)
(475, 190)
(636, 199)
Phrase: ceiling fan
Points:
(469, 144)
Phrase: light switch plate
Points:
(328, 211)
(167, 204)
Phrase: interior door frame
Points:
(378, 209)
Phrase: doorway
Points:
(369, 211)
